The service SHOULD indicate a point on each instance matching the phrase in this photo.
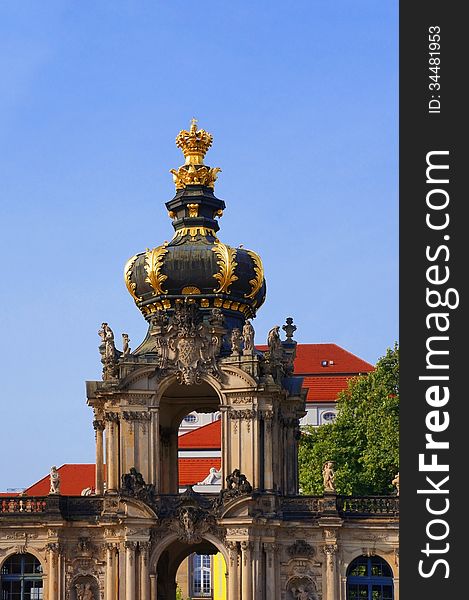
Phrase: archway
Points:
(176, 402)
(196, 577)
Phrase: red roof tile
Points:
(73, 479)
(205, 437)
(193, 470)
(309, 358)
(325, 389)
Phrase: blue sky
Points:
(302, 102)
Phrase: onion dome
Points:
(195, 265)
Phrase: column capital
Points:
(98, 425)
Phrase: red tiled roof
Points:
(193, 470)
(205, 437)
(310, 356)
(73, 479)
(324, 389)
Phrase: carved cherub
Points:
(395, 482)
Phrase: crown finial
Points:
(194, 145)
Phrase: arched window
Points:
(191, 418)
(329, 416)
(369, 578)
(201, 576)
(21, 578)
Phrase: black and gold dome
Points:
(195, 265)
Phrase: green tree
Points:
(363, 441)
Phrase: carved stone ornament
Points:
(236, 485)
(134, 485)
(187, 345)
(301, 589)
(300, 548)
(54, 481)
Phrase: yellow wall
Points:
(219, 577)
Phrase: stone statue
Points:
(248, 337)
(395, 482)
(125, 345)
(236, 340)
(274, 343)
(84, 591)
(328, 476)
(213, 478)
(54, 481)
(108, 352)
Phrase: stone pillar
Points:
(112, 452)
(155, 449)
(110, 572)
(268, 451)
(153, 587)
(129, 570)
(246, 571)
(330, 551)
(233, 567)
(271, 590)
(99, 427)
(144, 548)
(52, 561)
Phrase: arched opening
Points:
(21, 578)
(191, 571)
(177, 402)
(369, 578)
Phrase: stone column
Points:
(268, 451)
(144, 548)
(129, 570)
(112, 452)
(271, 590)
(233, 578)
(52, 561)
(154, 450)
(246, 571)
(110, 572)
(99, 427)
(330, 551)
(153, 587)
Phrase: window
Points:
(369, 578)
(190, 418)
(327, 417)
(21, 578)
(201, 576)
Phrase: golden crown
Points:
(194, 143)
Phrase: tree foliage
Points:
(363, 441)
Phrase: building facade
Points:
(128, 539)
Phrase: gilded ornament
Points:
(194, 176)
(153, 264)
(227, 263)
(127, 274)
(193, 231)
(194, 143)
(190, 289)
(193, 210)
(205, 303)
(258, 280)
